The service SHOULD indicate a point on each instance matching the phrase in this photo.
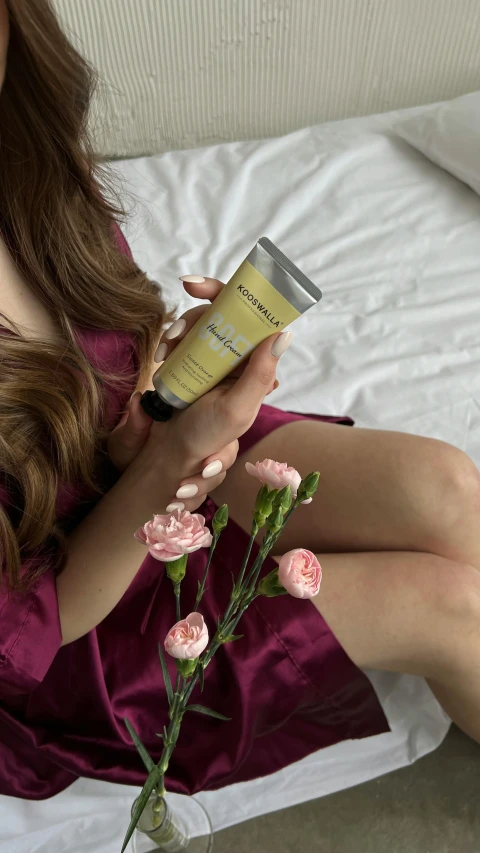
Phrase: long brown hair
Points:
(58, 227)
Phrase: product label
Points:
(247, 311)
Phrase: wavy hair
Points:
(59, 229)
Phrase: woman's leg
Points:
(409, 612)
(378, 491)
(413, 603)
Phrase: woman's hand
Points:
(202, 438)
(207, 432)
(127, 439)
(130, 434)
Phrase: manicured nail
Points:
(192, 279)
(175, 505)
(212, 469)
(175, 330)
(160, 353)
(187, 491)
(281, 344)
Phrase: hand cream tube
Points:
(265, 294)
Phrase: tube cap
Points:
(155, 407)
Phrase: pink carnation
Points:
(171, 536)
(276, 475)
(188, 638)
(300, 573)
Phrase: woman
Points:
(394, 523)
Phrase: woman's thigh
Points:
(378, 491)
(400, 611)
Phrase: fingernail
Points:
(281, 344)
(187, 491)
(175, 505)
(192, 279)
(212, 469)
(175, 330)
(160, 353)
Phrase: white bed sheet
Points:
(393, 241)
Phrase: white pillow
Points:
(449, 135)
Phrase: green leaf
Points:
(140, 804)
(200, 709)
(166, 675)
(201, 677)
(144, 755)
(232, 637)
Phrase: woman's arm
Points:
(103, 556)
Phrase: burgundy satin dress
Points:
(288, 685)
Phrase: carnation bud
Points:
(308, 486)
(275, 521)
(284, 499)
(265, 498)
(220, 519)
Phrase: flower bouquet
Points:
(170, 538)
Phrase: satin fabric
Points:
(288, 685)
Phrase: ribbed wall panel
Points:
(182, 73)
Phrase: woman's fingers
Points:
(202, 288)
(179, 328)
(193, 492)
(130, 434)
(221, 461)
(246, 395)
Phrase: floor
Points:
(430, 807)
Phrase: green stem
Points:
(184, 690)
(246, 558)
(265, 547)
(176, 589)
(204, 578)
(237, 590)
(269, 541)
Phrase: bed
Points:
(393, 240)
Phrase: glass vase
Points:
(173, 824)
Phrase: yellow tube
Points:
(264, 295)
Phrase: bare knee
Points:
(458, 609)
(447, 496)
(460, 478)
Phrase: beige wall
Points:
(182, 73)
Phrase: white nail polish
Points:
(175, 505)
(160, 353)
(192, 279)
(189, 490)
(175, 329)
(281, 344)
(212, 469)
